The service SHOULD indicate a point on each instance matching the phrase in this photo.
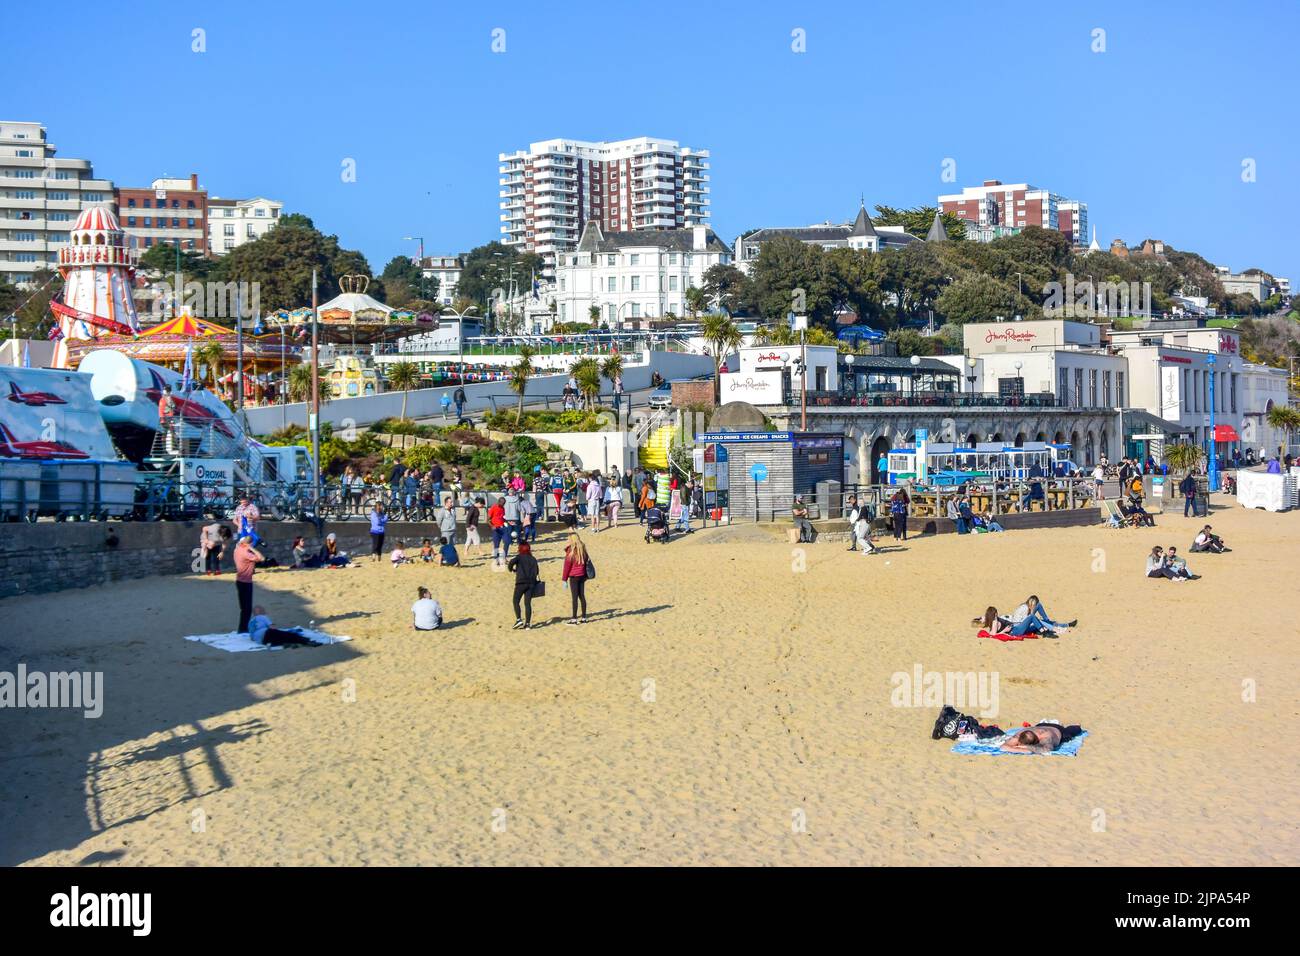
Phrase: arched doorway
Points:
(1020, 439)
(997, 436)
(972, 440)
(1041, 436)
(1088, 458)
(1105, 445)
(1059, 438)
(879, 448)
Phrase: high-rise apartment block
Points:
(997, 208)
(40, 199)
(550, 191)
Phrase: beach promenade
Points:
(733, 702)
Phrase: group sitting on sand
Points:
(1028, 618)
(1207, 542)
(1162, 564)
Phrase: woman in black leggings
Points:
(525, 567)
(577, 566)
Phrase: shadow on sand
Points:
(65, 777)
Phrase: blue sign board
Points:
(758, 471)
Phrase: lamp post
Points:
(315, 385)
(1214, 459)
(970, 375)
(420, 240)
(915, 362)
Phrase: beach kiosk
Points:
(756, 474)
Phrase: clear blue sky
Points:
(1151, 133)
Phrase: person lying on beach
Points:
(1041, 738)
(1029, 618)
(261, 631)
(1207, 540)
(427, 612)
(447, 556)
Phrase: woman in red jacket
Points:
(500, 532)
(577, 568)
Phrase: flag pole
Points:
(239, 354)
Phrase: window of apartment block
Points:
(148, 221)
(612, 311)
(189, 204)
(130, 204)
(130, 220)
(1105, 389)
(1078, 388)
(230, 244)
(189, 223)
(58, 197)
(176, 204)
(612, 284)
(636, 310)
(1235, 376)
(672, 283)
(611, 260)
(636, 283)
(1119, 389)
(148, 203)
(672, 258)
(1092, 387)
(24, 173)
(229, 229)
(259, 212)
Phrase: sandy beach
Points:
(729, 704)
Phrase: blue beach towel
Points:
(993, 747)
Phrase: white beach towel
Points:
(236, 642)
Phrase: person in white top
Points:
(613, 500)
(594, 496)
(1099, 479)
(426, 611)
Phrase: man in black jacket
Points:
(1188, 487)
(395, 476)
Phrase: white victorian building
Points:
(634, 275)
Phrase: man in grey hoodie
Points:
(513, 514)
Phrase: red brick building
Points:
(170, 211)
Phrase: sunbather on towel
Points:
(260, 630)
(1041, 738)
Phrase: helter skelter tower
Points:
(98, 271)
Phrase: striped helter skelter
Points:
(98, 274)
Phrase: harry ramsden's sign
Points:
(1010, 335)
(751, 384)
(1227, 343)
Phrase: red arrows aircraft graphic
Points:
(10, 448)
(193, 413)
(34, 399)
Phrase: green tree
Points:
(696, 301)
(1183, 457)
(723, 337)
(211, 354)
(488, 267)
(918, 219)
(974, 298)
(161, 259)
(612, 367)
(1285, 419)
(405, 283)
(728, 288)
(281, 263)
(911, 342)
(586, 372)
(404, 376)
(520, 373)
(300, 384)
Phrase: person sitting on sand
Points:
(398, 554)
(1031, 618)
(984, 523)
(1208, 541)
(991, 622)
(261, 631)
(426, 611)
(1177, 564)
(1158, 568)
(300, 559)
(1042, 738)
(330, 554)
(1135, 513)
(426, 550)
(447, 556)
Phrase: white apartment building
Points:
(550, 191)
(634, 275)
(40, 198)
(446, 269)
(861, 234)
(233, 222)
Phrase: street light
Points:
(419, 239)
(970, 375)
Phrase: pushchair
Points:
(656, 526)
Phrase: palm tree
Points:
(1285, 419)
(586, 372)
(723, 336)
(300, 384)
(209, 353)
(594, 314)
(612, 367)
(404, 376)
(519, 375)
(1183, 457)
